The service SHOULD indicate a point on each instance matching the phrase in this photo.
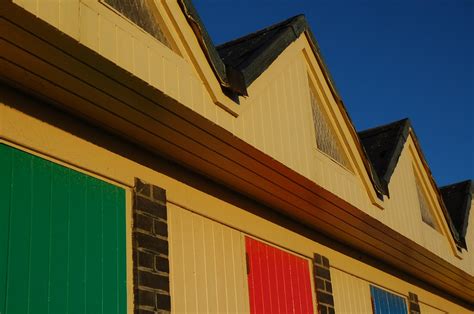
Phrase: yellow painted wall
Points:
(208, 270)
(470, 238)
(111, 35)
(351, 294)
(275, 118)
(38, 129)
(425, 308)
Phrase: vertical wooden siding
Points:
(386, 302)
(279, 282)
(276, 118)
(62, 238)
(207, 265)
(427, 309)
(114, 37)
(351, 294)
(403, 214)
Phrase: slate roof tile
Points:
(457, 198)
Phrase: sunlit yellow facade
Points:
(84, 87)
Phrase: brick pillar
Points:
(413, 305)
(322, 279)
(150, 250)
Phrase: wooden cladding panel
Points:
(402, 213)
(279, 282)
(416, 259)
(108, 33)
(351, 294)
(62, 240)
(277, 119)
(428, 309)
(384, 302)
(207, 262)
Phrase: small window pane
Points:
(426, 215)
(326, 140)
(142, 13)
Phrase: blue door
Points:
(384, 302)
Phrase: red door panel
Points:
(279, 282)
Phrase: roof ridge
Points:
(468, 181)
(258, 32)
(384, 155)
(377, 129)
(457, 198)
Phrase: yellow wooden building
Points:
(145, 170)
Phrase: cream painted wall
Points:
(275, 118)
(351, 294)
(425, 308)
(208, 270)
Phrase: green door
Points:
(62, 239)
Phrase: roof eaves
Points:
(383, 175)
(263, 58)
(465, 190)
(402, 137)
(237, 80)
(226, 75)
(444, 209)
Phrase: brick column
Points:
(150, 250)
(322, 279)
(413, 305)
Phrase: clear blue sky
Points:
(390, 60)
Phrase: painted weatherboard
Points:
(279, 282)
(351, 294)
(427, 309)
(386, 302)
(62, 238)
(207, 265)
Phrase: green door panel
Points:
(62, 239)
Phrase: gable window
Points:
(386, 302)
(326, 139)
(143, 14)
(425, 210)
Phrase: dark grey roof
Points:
(457, 199)
(254, 53)
(383, 146)
(239, 62)
(227, 77)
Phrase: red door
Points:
(279, 282)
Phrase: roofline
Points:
(228, 77)
(225, 73)
(445, 211)
(234, 80)
(401, 136)
(110, 87)
(469, 191)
